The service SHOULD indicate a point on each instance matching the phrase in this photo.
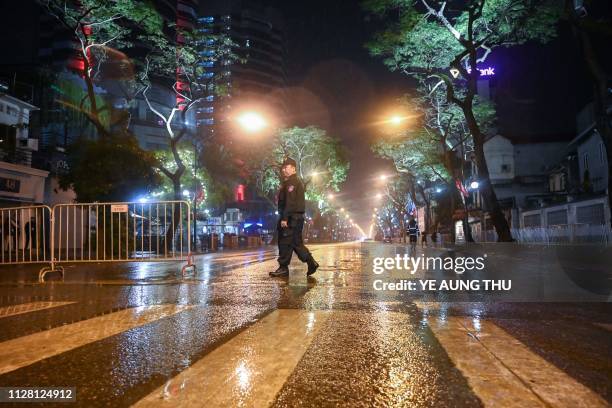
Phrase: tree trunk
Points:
(467, 230)
(488, 193)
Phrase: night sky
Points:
(539, 88)
(350, 89)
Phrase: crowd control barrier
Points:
(97, 232)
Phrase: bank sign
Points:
(484, 72)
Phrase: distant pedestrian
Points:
(424, 239)
(413, 234)
(30, 231)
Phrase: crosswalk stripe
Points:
(502, 371)
(21, 308)
(23, 351)
(253, 366)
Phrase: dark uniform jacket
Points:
(413, 229)
(291, 197)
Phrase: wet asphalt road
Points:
(229, 335)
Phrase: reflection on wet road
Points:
(229, 335)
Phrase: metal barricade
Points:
(26, 235)
(122, 232)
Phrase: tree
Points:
(418, 158)
(109, 169)
(101, 28)
(429, 40)
(174, 62)
(320, 158)
(401, 192)
(195, 179)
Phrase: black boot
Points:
(312, 267)
(280, 272)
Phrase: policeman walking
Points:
(291, 211)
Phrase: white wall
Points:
(499, 152)
(597, 162)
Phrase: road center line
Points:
(23, 351)
(22, 308)
(502, 371)
(248, 370)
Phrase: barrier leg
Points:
(189, 264)
(50, 269)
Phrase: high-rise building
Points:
(256, 76)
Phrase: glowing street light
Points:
(379, 196)
(342, 209)
(383, 177)
(330, 196)
(474, 185)
(396, 120)
(186, 193)
(251, 121)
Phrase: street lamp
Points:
(474, 185)
(252, 121)
(330, 196)
(379, 196)
(383, 177)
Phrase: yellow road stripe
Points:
(23, 351)
(248, 370)
(502, 371)
(13, 310)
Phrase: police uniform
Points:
(291, 208)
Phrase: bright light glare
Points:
(474, 185)
(185, 193)
(396, 120)
(378, 195)
(142, 200)
(251, 121)
(330, 196)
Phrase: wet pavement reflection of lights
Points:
(311, 322)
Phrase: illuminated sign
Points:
(489, 71)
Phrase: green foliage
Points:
(109, 169)
(425, 39)
(314, 151)
(417, 153)
(195, 178)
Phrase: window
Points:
(590, 214)
(532, 220)
(602, 153)
(585, 161)
(558, 217)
